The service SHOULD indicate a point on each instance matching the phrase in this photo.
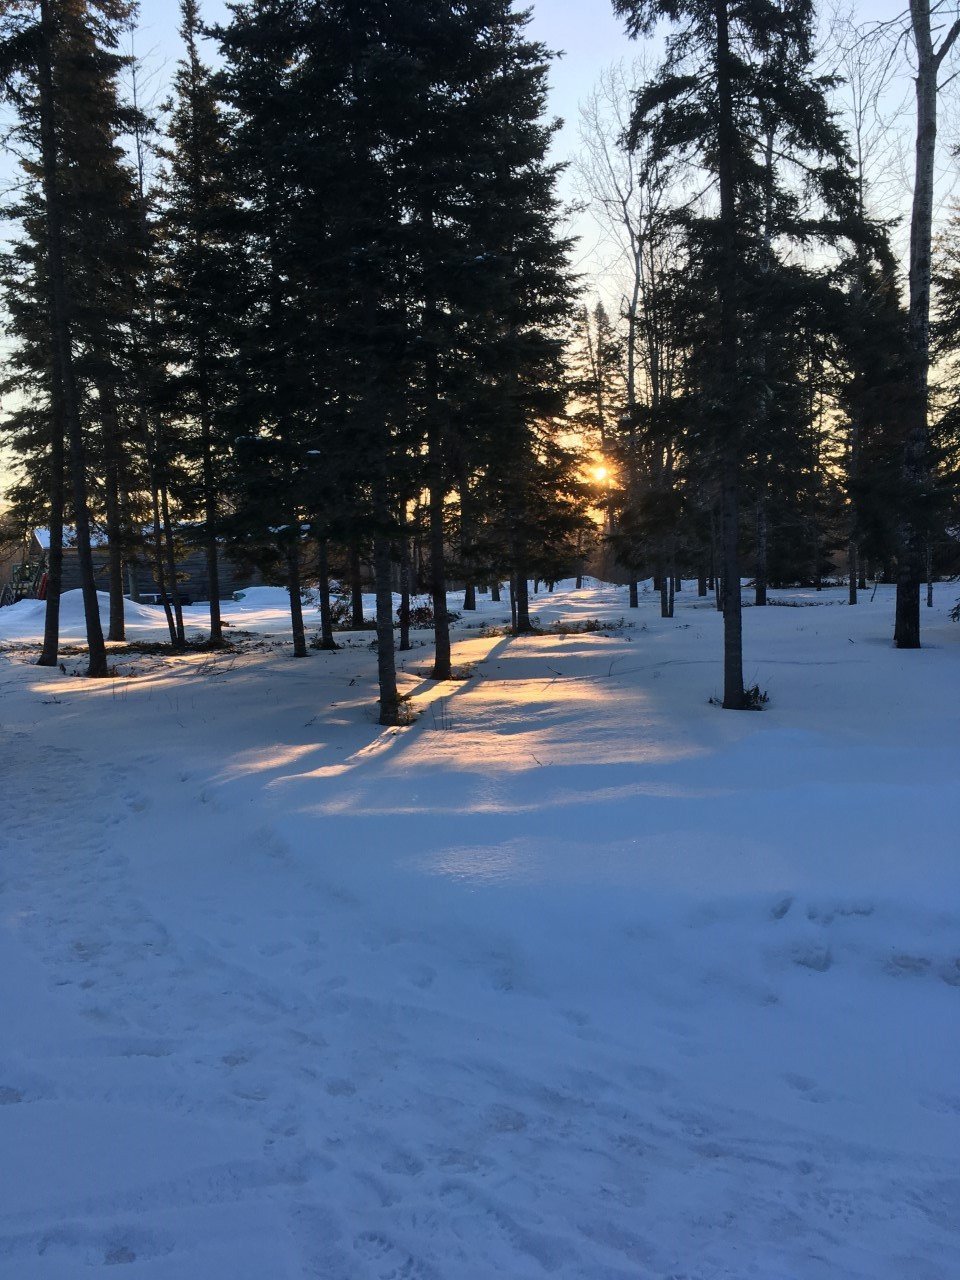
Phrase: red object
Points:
(42, 588)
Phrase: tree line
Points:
(328, 310)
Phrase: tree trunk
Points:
(323, 587)
(211, 549)
(495, 591)
(60, 318)
(170, 560)
(50, 652)
(212, 554)
(634, 594)
(523, 603)
(760, 577)
(466, 539)
(853, 549)
(733, 693)
(817, 574)
(404, 593)
(929, 559)
(915, 466)
(733, 698)
(356, 587)
(293, 589)
(110, 423)
(117, 630)
(158, 570)
(438, 575)
(383, 575)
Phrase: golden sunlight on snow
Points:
(547, 701)
(263, 760)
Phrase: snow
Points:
(97, 537)
(576, 975)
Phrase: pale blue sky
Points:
(585, 30)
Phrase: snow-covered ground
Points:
(576, 975)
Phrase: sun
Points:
(601, 473)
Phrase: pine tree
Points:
(198, 268)
(520, 293)
(731, 74)
(268, 414)
(872, 371)
(60, 68)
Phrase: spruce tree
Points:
(731, 74)
(198, 268)
(60, 67)
(520, 294)
(267, 418)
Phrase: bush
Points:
(340, 610)
(754, 699)
(341, 607)
(421, 616)
(587, 626)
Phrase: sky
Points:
(586, 31)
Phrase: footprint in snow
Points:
(806, 1087)
(340, 1088)
(391, 1261)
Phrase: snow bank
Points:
(260, 598)
(24, 621)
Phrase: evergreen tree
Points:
(199, 268)
(731, 75)
(267, 418)
(60, 67)
(872, 371)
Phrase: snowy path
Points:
(576, 976)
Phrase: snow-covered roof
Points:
(97, 539)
